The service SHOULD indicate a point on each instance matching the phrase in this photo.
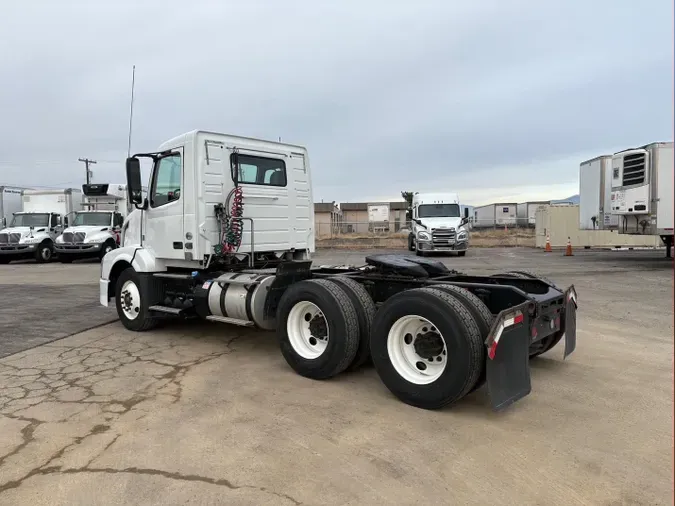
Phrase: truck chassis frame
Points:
(516, 316)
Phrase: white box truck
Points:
(642, 191)
(438, 224)
(595, 193)
(432, 340)
(94, 230)
(10, 203)
(33, 230)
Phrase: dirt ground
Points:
(211, 414)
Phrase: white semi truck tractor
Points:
(438, 224)
(226, 234)
(32, 231)
(642, 191)
(94, 230)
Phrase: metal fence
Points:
(395, 234)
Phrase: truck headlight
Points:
(462, 236)
(423, 236)
(96, 240)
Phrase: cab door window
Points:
(166, 184)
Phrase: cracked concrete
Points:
(198, 413)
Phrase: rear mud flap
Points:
(570, 321)
(508, 362)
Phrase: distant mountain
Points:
(574, 199)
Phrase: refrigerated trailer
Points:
(495, 215)
(228, 237)
(526, 212)
(595, 193)
(642, 191)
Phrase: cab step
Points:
(167, 309)
(232, 321)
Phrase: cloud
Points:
(475, 97)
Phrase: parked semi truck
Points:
(94, 230)
(438, 225)
(226, 234)
(33, 230)
(642, 191)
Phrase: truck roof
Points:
(180, 139)
(61, 191)
(435, 196)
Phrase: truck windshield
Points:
(438, 211)
(30, 220)
(92, 219)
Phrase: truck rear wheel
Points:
(318, 328)
(365, 312)
(481, 314)
(131, 302)
(426, 347)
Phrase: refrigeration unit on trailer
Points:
(595, 192)
(226, 234)
(526, 213)
(32, 231)
(95, 229)
(10, 203)
(642, 191)
(378, 217)
(438, 224)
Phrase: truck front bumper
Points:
(17, 250)
(82, 249)
(103, 292)
(508, 344)
(450, 246)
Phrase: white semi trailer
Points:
(33, 230)
(226, 234)
(595, 193)
(642, 191)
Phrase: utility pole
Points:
(87, 161)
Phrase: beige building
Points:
(327, 219)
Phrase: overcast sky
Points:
(497, 100)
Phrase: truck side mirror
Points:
(466, 213)
(134, 186)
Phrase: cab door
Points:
(163, 228)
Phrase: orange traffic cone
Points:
(548, 249)
(568, 250)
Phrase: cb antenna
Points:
(131, 108)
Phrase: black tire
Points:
(45, 252)
(342, 322)
(420, 253)
(66, 259)
(462, 341)
(411, 242)
(461, 253)
(107, 247)
(5, 260)
(484, 319)
(365, 312)
(541, 347)
(144, 321)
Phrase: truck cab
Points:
(95, 230)
(438, 224)
(29, 235)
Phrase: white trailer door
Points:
(664, 210)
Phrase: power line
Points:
(87, 161)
